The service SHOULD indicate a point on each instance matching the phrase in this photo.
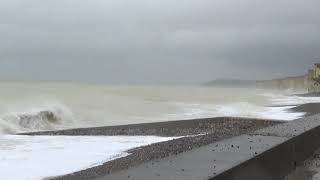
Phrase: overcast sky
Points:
(157, 41)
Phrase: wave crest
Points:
(48, 118)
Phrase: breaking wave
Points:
(41, 118)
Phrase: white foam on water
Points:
(278, 99)
(240, 109)
(37, 157)
(253, 111)
(280, 113)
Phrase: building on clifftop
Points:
(316, 71)
(314, 79)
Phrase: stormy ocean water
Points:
(37, 106)
(49, 106)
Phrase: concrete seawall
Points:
(270, 153)
(300, 138)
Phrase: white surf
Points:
(38, 157)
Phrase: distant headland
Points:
(309, 82)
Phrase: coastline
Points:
(198, 132)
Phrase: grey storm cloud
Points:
(153, 41)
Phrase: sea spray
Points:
(36, 119)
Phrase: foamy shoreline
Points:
(213, 130)
(37, 157)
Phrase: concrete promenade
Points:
(270, 153)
